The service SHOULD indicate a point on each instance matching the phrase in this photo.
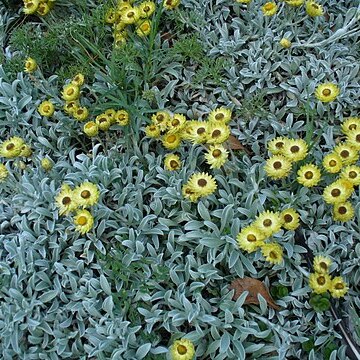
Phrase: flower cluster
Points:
(79, 199)
(182, 349)
(15, 147)
(267, 224)
(320, 281)
(312, 8)
(38, 7)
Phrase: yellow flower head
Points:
(327, 92)
(295, 149)
(71, 106)
(176, 123)
(81, 113)
(338, 287)
(313, 9)
(30, 65)
(122, 117)
(322, 264)
(171, 4)
(243, 1)
(83, 221)
(295, 3)
(146, 9)
(25, 151)
(91, 129)
(269, 9)
(268, 222)
(130, 16)
(202, 184)
(220, 115)
(195, 131)
(87, 194)
(161, 119)
(43, 9)
(143, 28)
(11, 148)
(152, 131)
(276, 145)
(78, 79)
(319, 283)
(46, 164)
(216, 156)
(31, 6)
(272, 252)
(70, 92)
(103, 122)
(120, 39)
(182, 349)
(277, 167)
(250, 239)
(65, 200)
(189, 193)
(343, 211)
(353, 138)
(338, 192)
(4, 173)
(171, 141)
(285, 43)
(172, 162)
(291, 219)
(110, 16)
(217, 133)
(111, 114)
(351, 173)
(46, 108)
(309, 175)
(348, 154)
(332, 163)
(350, 124)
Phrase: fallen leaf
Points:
(234, 144)
(254, 287)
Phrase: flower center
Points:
(342, 210)
(10, 146)
(79, 111)
(70, 92)
(279, 145)
(145, 27)
(147, 8)
(85, 194)
(66, 200)
(90, 125)
(332, 163)
(130, 14)
(315, 6)
(219, 116)
(357, 138)
(82, 220)
(171, 138)
(352, 127)
(294, 149)
(267, 222)
(309, 175)
(202, 182)
(46, 108)
(181, 349)
(288, 218)
(335, 193)
(321, 280)
(324, 266)
(200, 131)
(175, 122)
(325, 92)
(273, 255)
(216, 153)
(215, 134)
(173, 164)
(352, 174)
(268, 6)
(160, 118)
(277, 165)
(251, 238)
(339, 286)
(345, 154)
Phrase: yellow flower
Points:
(350, 124)
(338, 192)
(130, 16)
(65, 200)
(295, 3)
(83, 221)
(319, 283)
(321, 264)
(189, 193)
(12, 147)
(291, 219)
(176, 123)
(78, 79)
(70, 92)
(171, 4)
(195, 131)
(182, 349)
(327, 92)
(171, 141)
(295, 149)
(122, 117)
(332, 163)
(87, 194)
(309, 175)
(285, 43)
(91, 129)
(152, 131)
(30, 65)
(352, 174)
(268, 222)
(143, 28)
(202, 184)
(161, 119)
(146, 9)
(46, 108)
(338, 287)
(222, 115)
(103, 122)
(110, 16)
(272, 252)
(216, 156)
(31, 6)
(313, 9)
(269, 9)
(120, 39)
(4, 173)
(217, 133)
(250, 239)
(343, 211)
(46, 164)
(25, 151)
(244, 1)
(43, 9)
(71, 106)
(172, 162)
(81, 113)
(277, 167)
(276, 145)
(111, 114)
(347, 153)
(353, 138)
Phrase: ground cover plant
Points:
(179, 179)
